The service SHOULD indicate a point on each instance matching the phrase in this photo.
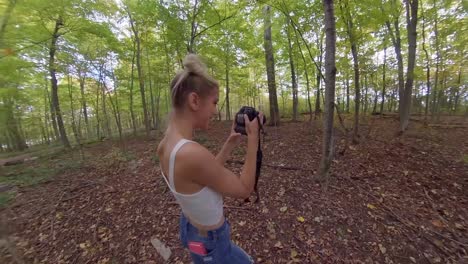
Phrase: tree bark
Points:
(306, 75)
(412, 20)
(141, 78)
(82, 80)
(330, 73)
(132, 112)
(383, 81)
(352, 41)
(428, 66)
(52, 70)
(270, 65)
(318, 75)
(396, 41)
(153, 110)
(76, 132)
(438, 59)
(347, 91)
(228, 105)
(293, 73)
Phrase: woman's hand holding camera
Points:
(252, 127)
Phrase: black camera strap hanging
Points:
(259, 159)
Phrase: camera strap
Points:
(259, 154)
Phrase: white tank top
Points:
(204, 207)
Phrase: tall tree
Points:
(350, 30)
(412, 21)
(52, 69)
(330, 77)
(293, 73)
(141, 79)
(270, 65)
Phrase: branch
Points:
(213, 25)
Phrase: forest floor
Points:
(390, 199)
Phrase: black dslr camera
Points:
(240, 122)
(240, 128)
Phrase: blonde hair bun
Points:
(193, 64)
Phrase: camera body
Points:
(239, 118)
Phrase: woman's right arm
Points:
(197, 164)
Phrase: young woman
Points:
(198, 179)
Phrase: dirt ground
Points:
(390, 199)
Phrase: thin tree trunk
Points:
(366, 100)
(153, 110)
(47, 107)
(270, 65)
(82, 79)
(457, 95)
(412, 20)
(115, 108)
(330, 73)
(384, 82)
(132, 112)
(396, 40)
(98, 121)
(293, 74)
(52, 70)
(318, 75)
(73, 124)
(438, 59)
(347, 91)
(306, 75)
(352, 41)
(428, 66)
(141, 78)
(104, 104)
(228, 105)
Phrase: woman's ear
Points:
(194, 101)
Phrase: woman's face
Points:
(207, 109)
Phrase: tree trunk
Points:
(228, 105)
(438, 59)
(347, 91)
(319, 73)
(115, 108)
(270, 65)
(98, 122)
(412, 20)
(293, 74)
(366, 100)
(330, 73)
(396, 41)
(153, 110)
(457, 95)
(47, 107)
(82, 79)
(352, 41)
(141, 78)
(132, 112)
(306, 75)
(76, 132)
(428, 66)
(52, 70)
(383, 81)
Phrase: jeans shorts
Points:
(219, 247)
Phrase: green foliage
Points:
(96, 48)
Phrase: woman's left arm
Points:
(232, 141)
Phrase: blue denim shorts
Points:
(219, 247)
